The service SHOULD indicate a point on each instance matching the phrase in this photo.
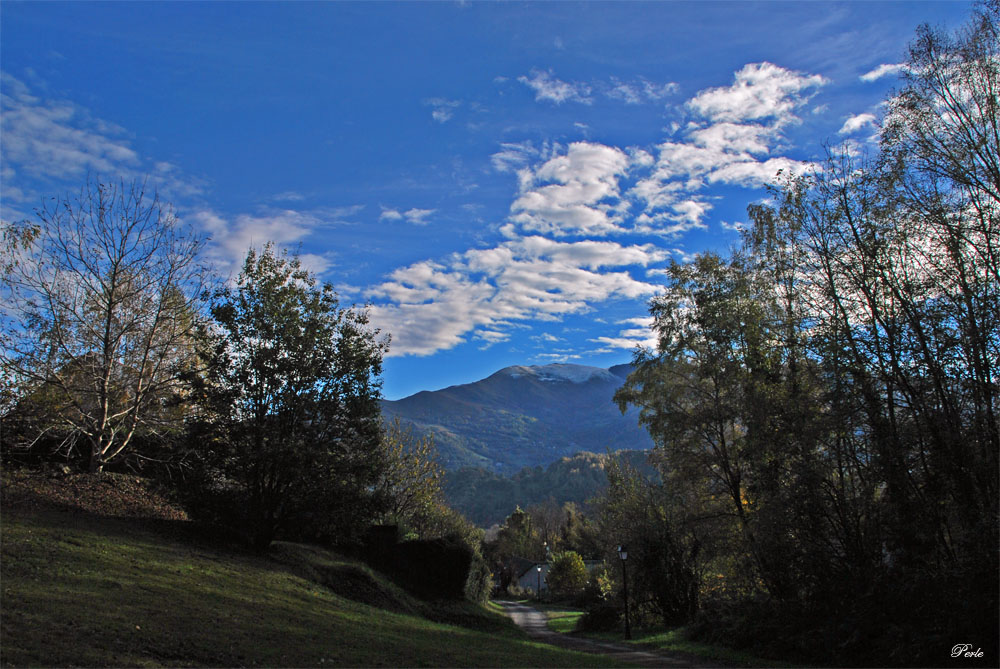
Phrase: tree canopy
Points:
(292, 396)
(100, 311)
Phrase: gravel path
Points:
(534, 622)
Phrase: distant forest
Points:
(486, 498)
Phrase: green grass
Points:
(674, 640)
(562, 619)
(80, 589)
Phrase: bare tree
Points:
(99, 318)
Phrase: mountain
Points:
(524, 417)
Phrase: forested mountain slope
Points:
(524, 417)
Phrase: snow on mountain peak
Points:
(559, 372)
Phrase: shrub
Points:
(599, 587)
(567, 576)
(603, 617)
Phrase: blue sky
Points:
(503, 182)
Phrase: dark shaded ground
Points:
(533, 622)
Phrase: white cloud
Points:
(418, 216)
(433, 306)
(60, 142)
(288, 196)
(760, 90)
(442, 109)
(752, 173)
(628, 93)
(414, 215)
(549, 89)
(556, 357)
(57, 138)
(855, 123)
(341, 214)
(587, 190)
(513, 156)
(886, 70)
(639, 335)
(574, 193)
(751, 138)
(491, 337)
(731, 144)
(638, 91)
(232, 237)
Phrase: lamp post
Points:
(538, 591)
(623, 555)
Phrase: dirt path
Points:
(534, 622)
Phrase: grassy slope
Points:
(80, 588)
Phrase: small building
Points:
(529, 575)
(532, 577)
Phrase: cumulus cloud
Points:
(549, 89)
(557, 258)
(574, 193)
(885, 70)
(640, 334)
(430, 306)
(855, 123)
(232, 236)
(760, 91)
(730, 141)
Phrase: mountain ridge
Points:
(524, 416)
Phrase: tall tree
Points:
(293, 393)
(99, 317)
(411, 479)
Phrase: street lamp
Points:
(538, 591)
(623, 554)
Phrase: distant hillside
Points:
(524, 417)
(486, 497)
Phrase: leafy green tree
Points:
(292, 399)
(567, 576)
(516, 539)
(579, 533)
(665, 563)
(823, 400)
(100, 312)
(411, 479)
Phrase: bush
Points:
(567, 576)
(444, 568)
(600, 585)
(604, 617)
